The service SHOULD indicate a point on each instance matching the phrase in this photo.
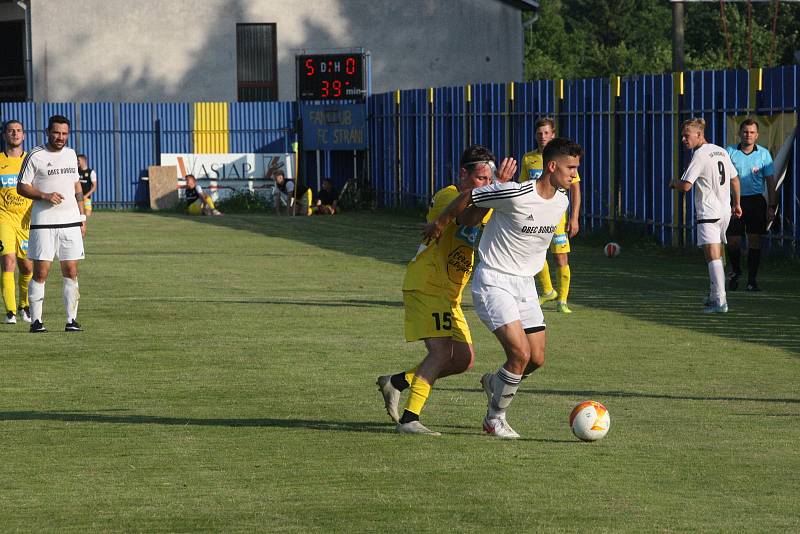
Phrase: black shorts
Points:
(754, 217)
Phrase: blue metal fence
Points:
(628, 126)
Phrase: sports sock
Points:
(544, 279)
(753, 260)
(24, 280)
(504, 387)
(210, 203)
(564, 277)
(418, 396)
(402, 380)
(9, 292)
(71, 298)
(716, 274)
(36, 299)
(735, 255)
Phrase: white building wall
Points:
(185, 50)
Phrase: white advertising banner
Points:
(224, 174)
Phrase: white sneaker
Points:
(415, 427)
(499, 428)
(10, 318)
(486, 382)
(25, 314)
(391, 396)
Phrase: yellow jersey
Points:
(446, 265)
(14, 209)
(533, 166)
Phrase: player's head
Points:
(13, 133)
(58, 131)
(477, 167)
(190, 180)
(327, 184)
(82, 161)
(748, 132)
(561, 158)
(279, 176)
(545, 129)
(693, 133)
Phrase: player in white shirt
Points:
(514, 244)
(712, 173)
(49, 177)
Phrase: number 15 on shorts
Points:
(444, 321)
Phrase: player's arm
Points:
(681, 185)
(434, 229)
(573, 226)
(472, 216)
(736, 190)
(79, 199)
(28, 191)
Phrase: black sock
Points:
(753, 259)
(735, 255)
(408, 417)
(399, 381)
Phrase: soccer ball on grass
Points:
(589, 421)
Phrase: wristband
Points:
(83, 217)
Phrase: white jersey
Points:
(516, 238)
(710, 170)
(50, 172)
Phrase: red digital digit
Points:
(337, 88)
(326, 89)
(310, 67)
(350, 66)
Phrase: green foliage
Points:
(589, 38)
(225, 383)
(245, 201)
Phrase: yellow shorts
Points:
(304, 203)
(87, 205)
(13, 239)
(195, 208)
(560, 243)
(430, 316)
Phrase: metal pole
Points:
(28, 51)
(677, 36)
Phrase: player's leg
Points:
(564, 275)
(716, 275)
(87, 206)
(69, 252)
(734, 235)
(25, 267)
(41, 250)
(8, 249)
(755, 226)
(543, 277)
(195, 208)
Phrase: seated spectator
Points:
(327, 199)
(198, 202)
(295, 198)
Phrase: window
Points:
(256, 62)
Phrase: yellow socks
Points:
(419, 392)
(24, 280)
(544, 279)
(564, 276)
(9, 292)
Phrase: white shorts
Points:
(709, 233)
(46, 243)
(501, 299)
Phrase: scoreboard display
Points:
(331, 77)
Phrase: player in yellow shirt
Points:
(531, 170)
(15, 222)
(432, 289)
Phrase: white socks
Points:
(716, 273)
(35, 300)
(71, 298)
(504, 387)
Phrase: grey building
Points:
(229, 50)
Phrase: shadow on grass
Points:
(344, 303)
(84, 417)
(587, 393)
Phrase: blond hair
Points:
(695, 122)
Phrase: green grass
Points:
(225, 382)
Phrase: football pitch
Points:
(226, 382)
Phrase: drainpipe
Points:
(28, 47)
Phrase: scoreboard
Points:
(331, 77)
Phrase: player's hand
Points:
(432, 231)
(507, 170)
(737, 211)
(573, 227)
(53, 198)
(83, 229)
